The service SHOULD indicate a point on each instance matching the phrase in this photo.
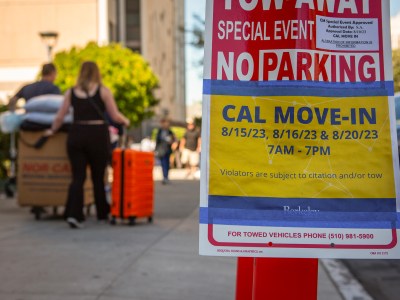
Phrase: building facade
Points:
(395, 31)
(152, 27)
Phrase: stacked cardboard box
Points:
(44, 174)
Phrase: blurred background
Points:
(126, 37)
(168, 34)
(164, 33)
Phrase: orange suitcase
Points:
(133, 188)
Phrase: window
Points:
(133, 28)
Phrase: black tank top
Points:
(84, 110)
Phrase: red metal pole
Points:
(277, 278)
(244, 278)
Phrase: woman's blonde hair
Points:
(88, 75)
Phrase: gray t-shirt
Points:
(38, 88)
(192, 138)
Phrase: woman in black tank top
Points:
(88, 140)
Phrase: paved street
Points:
(381, 278)
(45, 260)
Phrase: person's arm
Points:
(171, 137)
(112, 108)
(14, 99)
(158, 139)
(11, 104)
(198, 144)
(59, 119)
(174, 142)
(182, 143)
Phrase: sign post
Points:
(276, 278)
(299, 145)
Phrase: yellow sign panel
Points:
(306, 147)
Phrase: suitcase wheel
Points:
(10, 187)
(37, 211)
(132, 221)
(9, 192)
(55, 211)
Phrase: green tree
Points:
(197, 37)
(396, 70)
(198, 32)
(125, 72)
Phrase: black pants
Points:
(87, 145)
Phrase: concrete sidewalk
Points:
(45, 260)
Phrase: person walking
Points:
(88, 141)
(42, 87)
(190, 147)
(164, 140)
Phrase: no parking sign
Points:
(299, 155)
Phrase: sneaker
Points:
(74, 223)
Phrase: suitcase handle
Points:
(124, 138)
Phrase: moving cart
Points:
(44, 174)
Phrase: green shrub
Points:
(125, 72)
(178, 131)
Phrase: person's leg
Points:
(98, 155)
(178, 161)
(165, 166)
(74, 205)
(193, 162)
(186, 160)
(97, 172)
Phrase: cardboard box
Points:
(44, 174)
